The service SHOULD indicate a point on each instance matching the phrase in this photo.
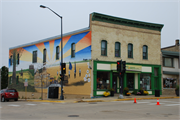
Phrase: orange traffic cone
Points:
(135, 100)
(157, 102)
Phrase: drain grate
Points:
(73, 115)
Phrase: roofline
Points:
(169, 46)
(50, 38)
(126, 22)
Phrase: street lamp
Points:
(61, 97)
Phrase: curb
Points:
(85, 101)
(45, 101)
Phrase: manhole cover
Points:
(92, 103)
(73, 115)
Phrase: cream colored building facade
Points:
(125, 31)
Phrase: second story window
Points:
(130, 50)
(117, 49)
(145, 52)
(168, 62)
(10, 60)
(73, 50)
(57, 53)
(44, 55)
(104, 48)
(18, 58)
(34, 60)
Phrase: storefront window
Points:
(169, 83)
(103, 80)
(145, 81)
(130, 81)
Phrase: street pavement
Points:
(112, 110)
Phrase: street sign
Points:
(26, 80)
(25, 83)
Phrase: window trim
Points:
(73, 51)
(105, 48)
(146, 52)
(34, 60)
(118, 49)
(57, 53)
(172, 60)
(132, 50)
(44, 55)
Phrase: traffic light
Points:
(119, 65)
(123, 66)
(63, 68)
(61, 76)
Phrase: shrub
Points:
(146, 92)
(126, 89)
(111, 89)
(135, 92)
(177, 87)
(106, 94)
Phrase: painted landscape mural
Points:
(39, 64)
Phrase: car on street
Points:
(7, 94)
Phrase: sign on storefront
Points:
(128, 67)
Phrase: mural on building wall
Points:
(77, 68)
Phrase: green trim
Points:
(126, 22)
(139, 81)
(105, 47)
(133, 71)
(125, 75)
(115, 62)
(170, 53)
(111, 79)
(170, 73)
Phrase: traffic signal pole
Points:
(121, 68)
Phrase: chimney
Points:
(177, 42)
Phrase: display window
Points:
(103, 80)
(145, 81)
(169, 83)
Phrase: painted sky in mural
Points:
(82, 51)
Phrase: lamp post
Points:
(61, 97)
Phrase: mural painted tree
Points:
(16, 54)
(4, 77)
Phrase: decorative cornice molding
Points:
(126, 22)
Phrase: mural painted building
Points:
(90, 55)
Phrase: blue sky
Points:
(23, 21)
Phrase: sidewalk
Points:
(104, 99)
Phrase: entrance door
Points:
(130, 81)
(114, 86)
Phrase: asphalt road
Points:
(119, 110)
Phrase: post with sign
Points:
(25, 84)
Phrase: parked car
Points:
(7, 94)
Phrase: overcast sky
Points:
(23, 21)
